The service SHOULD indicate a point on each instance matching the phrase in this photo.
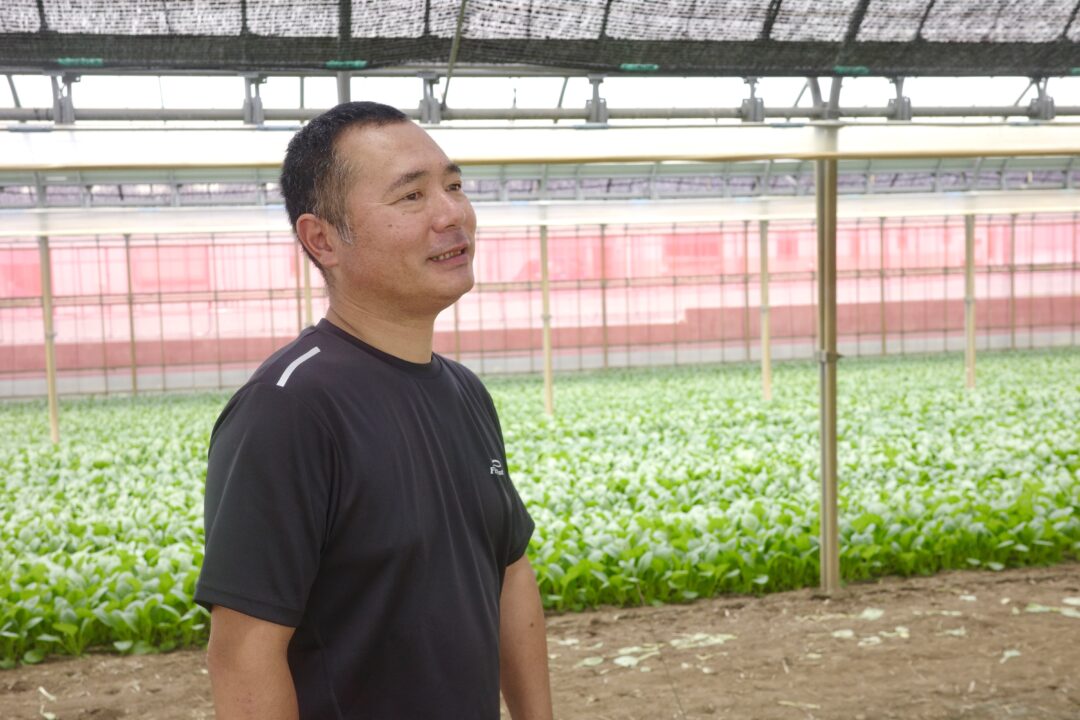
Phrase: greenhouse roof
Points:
(674, 37)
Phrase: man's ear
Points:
(319, 239)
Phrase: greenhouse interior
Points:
(778, 303)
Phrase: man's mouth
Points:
(449, 254)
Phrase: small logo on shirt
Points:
(496, 468)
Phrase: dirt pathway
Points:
(969, 646)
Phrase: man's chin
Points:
(453, 295)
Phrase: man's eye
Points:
(412, 196)
(455, 186)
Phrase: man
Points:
(365, 548)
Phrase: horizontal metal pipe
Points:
(514, 114)
(672, 113)
(301, 114)
(460, 70)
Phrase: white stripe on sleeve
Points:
(295, 364)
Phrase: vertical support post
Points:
(1012, 281)
(881, 277)
(746, 288)
(969, 298)
(131, 317)
(766, 338)
(50, 336)
(603, 292)
(545, 316)
(1075, 270)
(344, 86)
(309, 314)
(825, 177)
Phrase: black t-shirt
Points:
(365, 501)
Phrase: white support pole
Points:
(969, 299)
(545, 316)
(132, 355)
(1012, 281)
(881, 286)
(825, 176)
(766, 338)
(50, 336)
(603, 292)
(746, 288)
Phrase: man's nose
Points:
(453, 209)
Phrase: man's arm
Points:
(523, 658)
(249, 669)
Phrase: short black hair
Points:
(314, 178)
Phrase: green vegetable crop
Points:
(648, 486)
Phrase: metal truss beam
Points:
(79, 222)
(1037, 110)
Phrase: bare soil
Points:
(971, 646)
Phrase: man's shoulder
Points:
(317, 359)
(470, 385)
(463, 375)
(300, 362)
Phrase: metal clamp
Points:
(253, 107)
(1042, 106)
(597, 107)
(430, 107)
(823, 356)
(752, 108)
(899, 108)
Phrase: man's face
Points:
(413, 228)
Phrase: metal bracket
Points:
(824, 357)
(63, 104)
(596, 108)
(753, 107)
(1041, 107)
(900, 107)
(253, 107)
(430, 107)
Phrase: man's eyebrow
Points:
(450, 169)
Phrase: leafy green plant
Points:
(648, 486)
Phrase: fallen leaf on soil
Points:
(871, 614)
(1005, 656)
(629, 661)
(1072, 601)
(651, 647)
(591, 661)
(843, 634)
(699, 640)
(956, 632)
(801, 706)
(871, 640)
(968, 598)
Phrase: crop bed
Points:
(648, 486)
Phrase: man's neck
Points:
(408, 339)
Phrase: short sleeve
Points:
(521, 523)
(269, 482)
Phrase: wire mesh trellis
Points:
(181, 312)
